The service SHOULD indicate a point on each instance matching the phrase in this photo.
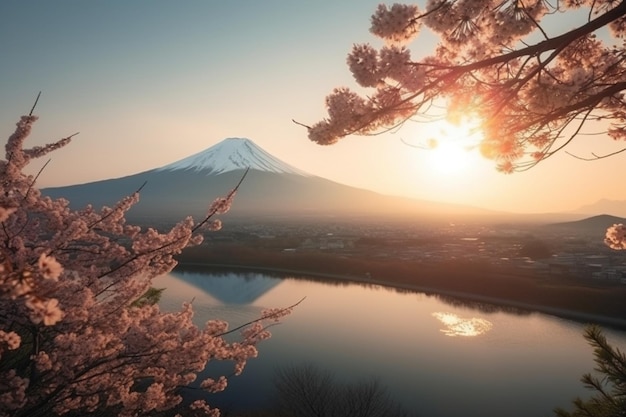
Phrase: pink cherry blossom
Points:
(71, 282)
(616, 237)
(5, 213)
(9, 341)
(49, 267)
(497, 63)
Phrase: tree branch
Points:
(32, 109)
(595, 156)
(261, 319)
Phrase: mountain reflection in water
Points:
(517, 364)
(228, 291)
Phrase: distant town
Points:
(569, 250)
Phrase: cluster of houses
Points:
(571, 256)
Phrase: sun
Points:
(448, 158)
(450, 148)
(446, 164)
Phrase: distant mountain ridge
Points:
(271, 187)
(615, 207)
(594, 225)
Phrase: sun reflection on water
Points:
(461, 326)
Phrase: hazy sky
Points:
(150, 82)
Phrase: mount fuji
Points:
(271, 188)
(232, 154)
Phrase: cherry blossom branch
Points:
(391, 106)
(520, 82)
(53, 397)
(534, 50)
(556, 45)
(228, 198)
(211, 213)
(89, 348)
(586, 104)
(550, 152)
(36, 177)
(119, 207)
(278, 313)
(552, 43)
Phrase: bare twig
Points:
(116, 208)
(426, 148)
(33, 108)
(595, 156)
(301, 124)
(214, 211)
(36, 177)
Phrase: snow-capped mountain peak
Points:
(233, 154)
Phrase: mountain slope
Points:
(595, 225)
(271, 188)
(615, 207)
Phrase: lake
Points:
(438, 356)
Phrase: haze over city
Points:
(147, 84)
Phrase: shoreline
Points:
(578, 316)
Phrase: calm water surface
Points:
(439, 357)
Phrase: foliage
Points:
(609, 399)
(527, 91)
(80, 330)
(306, 391)
(150, 297)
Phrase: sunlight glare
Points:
(462, 326)
(448, 158)
(450, 148)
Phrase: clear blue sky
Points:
(149, 82)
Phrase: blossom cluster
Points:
(615, 237)
(73, 335)
(396, 24)
(528, 95)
